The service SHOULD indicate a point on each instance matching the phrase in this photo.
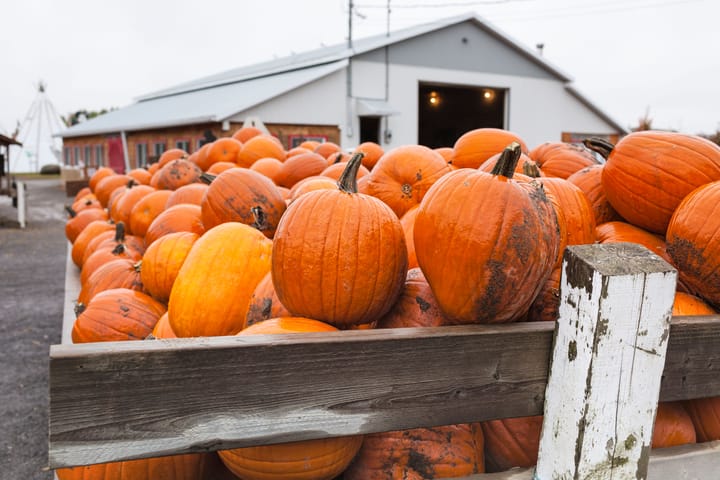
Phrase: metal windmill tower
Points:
(36, 132)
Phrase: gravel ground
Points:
(32, 267)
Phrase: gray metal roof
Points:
(217, 97)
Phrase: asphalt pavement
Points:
(32, 272)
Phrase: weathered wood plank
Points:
(124, 400)
(687, 462)
(608, 357)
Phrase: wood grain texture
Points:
(116, 401)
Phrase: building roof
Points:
(217, 97)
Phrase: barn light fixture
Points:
(434, 99)
(488, 94)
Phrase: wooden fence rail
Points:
(124, 400)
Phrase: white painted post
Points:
(21, 204)
(608, 358)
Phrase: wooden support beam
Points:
(608, 357)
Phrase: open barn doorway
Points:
(446, 112)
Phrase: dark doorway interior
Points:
(370, 129)
(446, 112)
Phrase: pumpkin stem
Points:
(151, 337)
(79, 308)
(260, 218)
(119, 249)
(348, 180)
(207, 178)
(599, 145)
(131, 183)
(531, 170)
(508, 160)
(138, 266)
(120, 232)
(338, 157)
(70, 211)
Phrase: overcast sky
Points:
(627, 56)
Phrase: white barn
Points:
(427, 84)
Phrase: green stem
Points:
(207, 178)
(508, 160)
(599, 145)
(260, 218)
(120, 232)
(348, 180)
(70, 211)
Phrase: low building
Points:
(426, 85)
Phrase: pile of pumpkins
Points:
(244, 237)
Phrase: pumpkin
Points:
(335, 170)
(82, 241)
(244, 134)
(420, 453)
(108, 184)
(447, 153)
(107, 247)
(617, 232)
(264, 303)
(146, 210)
(115, 315)
(576, 210)
(546, 306)
(559, 159)
(688, 304)
(222, 150)
(485, 242)
(316, 182)
(80, 220)
(85, 202)
(693, 242)
(705, 415)
(162, 261)
(260, 146)
(176, 174)
(122, 207)
(408, 225)
(99, 174)
(299, 150)
(180, 218)
(321, 459)
(403, 175)
(673, 426)
(350, 247)
(476, 146)
(170, 155)
(589, 180)
(200, 157)
(211, 293)
(416, 306)
(195, 466)
(219, 167)
(309, 145)
(140, 175)
(325, 149)
(162, 328)
(371, 153)
(511, 442)
(298, 167)
(119, 273)
(192, 194)
(270, 167)
(648, 173)
(525, 165)
(242, 195)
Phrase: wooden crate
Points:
(596, 374)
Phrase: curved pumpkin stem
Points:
(131, 183)
(120, 232)
(531, 170)
(599, 145)
(70, 211)
(260, 218)
(508, 160)
(207, 178)
(348, 180)
(338, 157)
(138, 266)
(79, 308)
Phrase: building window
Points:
(78, 157)
(295, 140)
(88, 154)
(99, 156)
(68, 155)
(183, 145)
(141, 157)
(159, 148)
(370, 129)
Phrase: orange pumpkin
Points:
(106, 186)
(298, 167)
(270, 167)
(99, 174)
(194, 466)
(576, 210)
(116, 315)
(546, 306)
(349, 246)
(233, 258)
(141, 176)
(169, 155)
(180, 218)
(146, 210)
(335, 170)
(80, 220)
(371, 153)
(558, 159)
(325, 149)
(264, 303)
(260, 146)
(192, 194)
(673, 426)
(705, 415)
(408, 224)
(163, 329)
(416, 306)
(648, 173)
(512, 442)
(219, 167)
(421, 453)
(476, 146)
(118, 273)
(176, 174)
(162, 261)
(310, 184)
(122, 207)
(82, 241)
(589, 180)
(403, 175)
(321, 459)
(223, 150)
(244, 134)
(615, 232)
(485, 242)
